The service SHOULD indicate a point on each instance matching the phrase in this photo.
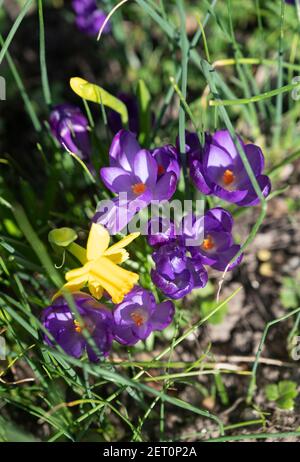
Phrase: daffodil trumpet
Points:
(100, 270)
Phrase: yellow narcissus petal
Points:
(95, 288)
(116, 252)
(122, 243)
(76, 273)
(75, 284)
(98, 242)
(115, 280)
(119, 257)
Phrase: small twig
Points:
(251, 359)
(18, 382)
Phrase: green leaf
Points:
(144, 101)
(271, 392)
(289, 293)
(96, 94)
(62, 237)
(285, 403)
(287, 388)
(284, 394)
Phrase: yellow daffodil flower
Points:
(100, 270)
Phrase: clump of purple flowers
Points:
(89, 18)
(180, 252)
(132, 320)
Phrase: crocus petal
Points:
(230, 196)
(163, 315)
(224, 139)
(115, 215)
(167, 159)
(221, 217)
(98, 241)
(165, 187)
(255, 158)
(116, 179)
(217, 161)
(124, 335)
(103, 340)
(199, 273)
(123, 149)
(225, 257)
(145, 168)
(206, 258)
(55, 320)
(72, 343)
(199, 178)
(174, 289)
(142, 332)
(160, 231)
(251, 198)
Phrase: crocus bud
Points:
(70, 127)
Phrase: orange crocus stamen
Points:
(138, 188)
(78, 327)
(138, 319)
(228, 177)
(208, 243)
(161, 170)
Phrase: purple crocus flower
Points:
(139, 315)
(217, 247)
(176, 274)
(70, 127)
(89, 19)
(217, 169)
(59, 320)
(167, 160)
(142, 175)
